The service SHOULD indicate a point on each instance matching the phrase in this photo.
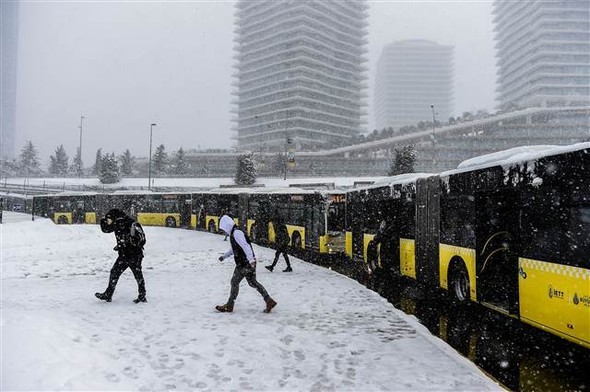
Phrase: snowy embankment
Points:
(327, 332)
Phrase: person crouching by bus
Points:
(241, 249)
(282, 243)
(130, 241)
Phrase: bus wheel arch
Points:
(296, 240)
(170, 221)
(458, 281)
(62, 220)
(211, 226)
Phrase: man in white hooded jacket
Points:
(241, 249)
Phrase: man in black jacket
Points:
(282, 243)
(130, 240)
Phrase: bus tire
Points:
(62, 220)
(170, 222)
(296, 240)
(459, 282)
(211, 227)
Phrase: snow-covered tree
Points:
(279, 162)
(245, 170)
(179, 165)
(160, 160)
(109, 169)
(29, 160)
(76, 168)
(403, 162)
(58, 165)
(127, 163)
(97, 162)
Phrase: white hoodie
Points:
(226, 224)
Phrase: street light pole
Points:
(80, 150)
(433, 130)
(286, 144)
(150, 159)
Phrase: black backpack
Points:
(137, 235)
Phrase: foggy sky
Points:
(125, 65)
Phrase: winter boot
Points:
(288, 269)
(102, 296)
(140, 298)
(270, 303)
(227, 308)
(269, 267)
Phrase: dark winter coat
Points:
(129, 234)
(281, 234)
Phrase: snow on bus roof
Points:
(400, 179)
(513, 155)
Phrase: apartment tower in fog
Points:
(300, 73)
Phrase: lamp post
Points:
(80, 148)
(150, 159)
(433, 140)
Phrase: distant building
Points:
(8, 54)
(300, 73)
(543, 51)
(411, 76)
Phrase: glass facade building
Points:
(8, 57)
(300, 73)
(411, 76)
(543, 51)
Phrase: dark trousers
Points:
(283, 250)
(250, 274)
(121, 264)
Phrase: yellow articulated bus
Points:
(151, 209)
(67, 208)
(314, 219)
(510, 231)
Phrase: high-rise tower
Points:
(543, 51)
(411, 76)
(300, 72)
(8, 56)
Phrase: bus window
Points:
(578, 237)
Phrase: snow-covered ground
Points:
(327, 333)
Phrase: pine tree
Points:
(160, 160)
(97, 162)
(29, 160)
(403, 162)
(76, 168)
(109, 169)
(59, 162)
(245, 170)
(179, 165)
(127, 163)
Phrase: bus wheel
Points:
(296, 240)
(170, 222)
(211, 227)
(62, 220)
(459, 283)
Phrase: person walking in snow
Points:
(130, 241)
(241, 249)
(282, 243)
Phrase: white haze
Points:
(126, 64)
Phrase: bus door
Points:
(427, 230)
(185, 211)
(497, 230)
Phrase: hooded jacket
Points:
(127, 245)
(241, 247)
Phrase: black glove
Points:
(220, 258)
